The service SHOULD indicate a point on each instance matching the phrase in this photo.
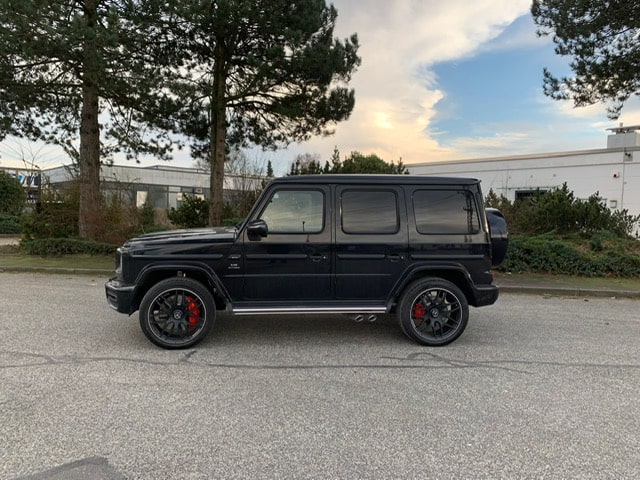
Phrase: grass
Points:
(552, 280)
(12, 258)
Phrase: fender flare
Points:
(419, 271)
(179, 266)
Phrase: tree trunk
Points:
(217, 137)
(89, 160)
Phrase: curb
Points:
(56, 270)
(569, 291)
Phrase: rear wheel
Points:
(177, 313)
(433, 311)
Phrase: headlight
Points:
(119, 262)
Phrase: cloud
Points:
(396, 92)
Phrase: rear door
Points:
(371, 241)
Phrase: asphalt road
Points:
(537, 387)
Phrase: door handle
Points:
(394, 257)
(317, 257)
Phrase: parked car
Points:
(419, 246)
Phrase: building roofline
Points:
(529, 156)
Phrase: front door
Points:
(293, 262)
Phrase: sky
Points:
(439, 81)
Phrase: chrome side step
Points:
(307, 310)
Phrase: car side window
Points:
(445, 212)
(295, 211)
(369, 212)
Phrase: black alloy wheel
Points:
(177, 313)
(433, 312)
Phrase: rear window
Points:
(445, 212)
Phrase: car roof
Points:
(356, 179)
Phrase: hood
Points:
(188, 239)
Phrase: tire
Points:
(177, 313)
(433, 312)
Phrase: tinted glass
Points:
(295, 211)
(369, 211)
(445, 211)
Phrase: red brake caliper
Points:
(419, 312)
(194, 311)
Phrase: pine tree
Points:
(84, 69)
(261, 72)
(603, 39)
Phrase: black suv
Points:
(422, 247)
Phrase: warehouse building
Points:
(162, 186)
(612, 172)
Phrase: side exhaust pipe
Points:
(361, 318)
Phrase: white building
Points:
(613, 172)
(163, 186)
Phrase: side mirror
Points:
(257, 229)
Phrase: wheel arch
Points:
(454, 273)
(154, 273)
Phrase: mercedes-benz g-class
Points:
(421, 247)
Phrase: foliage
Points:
(192, 213)
(66, 246)
(263, 72)
(89, 70)
(558, 211)
(57, 217)
(146, 214)
(602, 254)
(356, 162)
(10, 223)
(12, 195)
(602, 39)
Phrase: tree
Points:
(308, 164)
(86, 69)
(359, 163)
(12, 195)
(356, 162)
(603, 37)
(262, 72)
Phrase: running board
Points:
(305, 310)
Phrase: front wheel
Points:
(433, 311)
(177, 313)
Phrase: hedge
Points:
(66, 246)
(547, 254)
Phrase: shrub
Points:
(12, 195)
(560, 212)
(192, 213)
(602, 254)
(66, 246)
(10, 223)
(55, 217)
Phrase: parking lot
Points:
(537, 387)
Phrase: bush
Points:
(66, 246)
(560, 212)
(10, 223)
(57, 217)
(12, 195)
(192, 213)
(602, 254)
